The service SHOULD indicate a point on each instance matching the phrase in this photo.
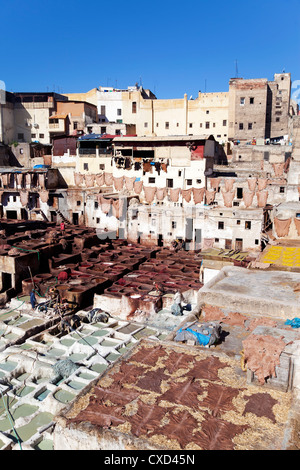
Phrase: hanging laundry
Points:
(214, 183)
(262, 183)
(278, 168)
(20, 180)
(28, 180)
(282, 227)
(129, 182)
(229, 184)
(262, 197)
(161, 193)
(4, 178)
(89, 180)
(137, 187)
(149, 193)
(118, 183)
(198, 194)
(252, 183)
(187, 194)
(174, 194)
(164, 167)
(157, 167)
(210, 196)
(248, 198)
(41, 178)
(297, 224)
(105, 204)
(147, 167)
(44, 195)
(117, 207)
(108, 177)
(228, 198)
(128, 163)
(100, 179)
(287, 165)
(24, 198)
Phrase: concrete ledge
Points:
(270, 293)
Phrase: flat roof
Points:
(180, 138)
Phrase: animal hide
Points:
(118, 183)
(187, 194)
(108, 179)
(137, 187)
(198, 194)
(149, 193)
(174, 194)
(282, 227)
(228, 198)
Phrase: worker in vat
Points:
(62, 227)
(32, 299)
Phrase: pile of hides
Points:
(205, 334)
(262, 355)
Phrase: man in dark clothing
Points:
(32, 299)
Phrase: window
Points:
(75, 125)
(239, 193)
(86, 166)
(174, 224)
(145, 124)
(41, 136)
(179, 172)
(151, 180)
(214, 124)
(207, 125)
(169, 183)
(238, 222)
(250, 125)
(224, 122)
(242, 101)
(119, 112)
(221, 225)
(277, 119)
(167, 125)
(33, 136)
(256, 241)
(251, 100)
(189, 182)
(207, 112)
(241, 126)
(98, 220)
(198, 181)
(190, 124)
(200, 124)
(247, 225)
(157, 124)
(103, 110)
(118, 131)
(282, 189)
(20, 136)
(96, 204)
(78, 203)
(101, 166)
(134, 107)
(103, 130)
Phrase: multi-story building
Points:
(258, 108)
(31, 116)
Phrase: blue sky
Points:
(170, 47)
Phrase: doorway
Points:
(75, 218)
